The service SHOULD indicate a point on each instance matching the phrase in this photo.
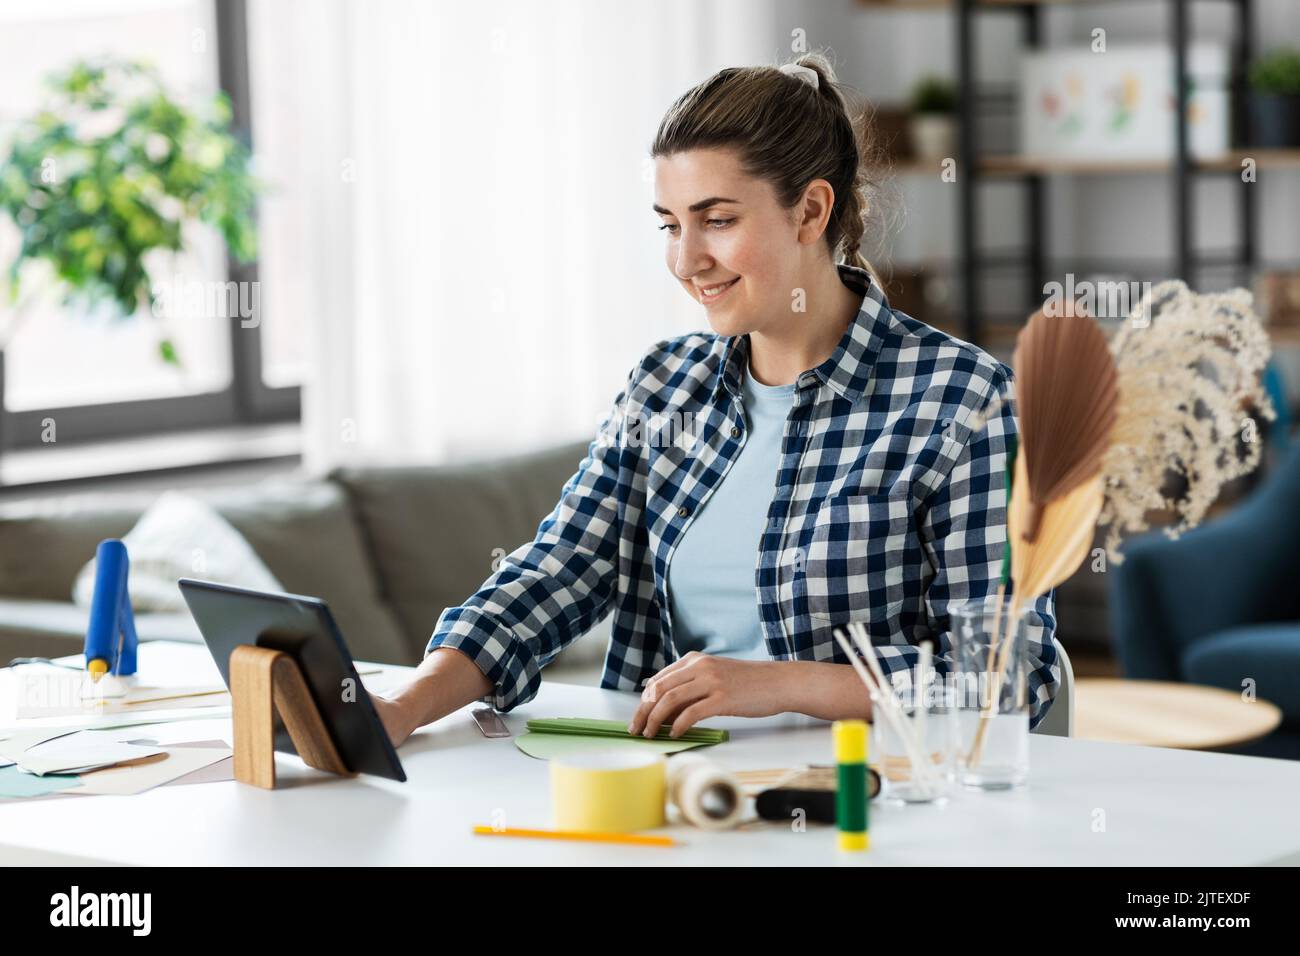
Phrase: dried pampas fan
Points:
(1067, 392)
(1067, 388)
(1064, 531)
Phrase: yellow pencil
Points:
(590, 837)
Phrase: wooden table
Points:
(1164, 714)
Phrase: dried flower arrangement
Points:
(1189, 371)
(1190, 379)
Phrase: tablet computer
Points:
(304, 629)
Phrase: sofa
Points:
(387, 548)
(1221, 605)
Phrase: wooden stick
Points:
(921, 716)
(1014, 613)
(884, 708)
(997, 663)
(977, 745)
(890, 707)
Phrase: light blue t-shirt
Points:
(711, 576)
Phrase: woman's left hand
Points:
(699, 686)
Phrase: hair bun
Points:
(801, 72)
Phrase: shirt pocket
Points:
(856, 560)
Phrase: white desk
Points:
(1161, 807)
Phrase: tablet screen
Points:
(304, 629)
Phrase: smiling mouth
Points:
(711, 293)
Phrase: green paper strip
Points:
(560, 746)
(588, 727)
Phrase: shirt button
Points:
(683, 512)
(735, 431)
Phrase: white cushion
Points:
(180, 537)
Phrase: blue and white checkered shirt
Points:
(888, 509)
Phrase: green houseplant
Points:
(1275, 99)
(932, 126)
(109, 171)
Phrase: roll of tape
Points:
(610, 791)
(707, 795)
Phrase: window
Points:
(99, 376)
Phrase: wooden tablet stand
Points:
(262, 682)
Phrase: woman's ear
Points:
(814, 211)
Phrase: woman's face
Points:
(727, 233)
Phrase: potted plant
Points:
(932, 126)
(108, 175)
(1275, 99)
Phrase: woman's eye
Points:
(713, 223)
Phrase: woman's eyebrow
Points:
(696, 206)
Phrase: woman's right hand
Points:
(395, 719)
(446, 680)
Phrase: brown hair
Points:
(788, 134)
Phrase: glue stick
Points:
(850, 737)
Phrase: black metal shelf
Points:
(1182, 166)
(1204, 259)
(912, 6)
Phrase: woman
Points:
(826, 472)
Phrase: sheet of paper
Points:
(87, 749)
(213, 772)
(62, 725)
(43, 691)
(18, 742)
(173, 675)
(550, 746)
(147, 774)
(15, 783)
(220, 770)
(142, 700)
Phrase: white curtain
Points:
(459, 217)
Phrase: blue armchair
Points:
(1221, 605)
